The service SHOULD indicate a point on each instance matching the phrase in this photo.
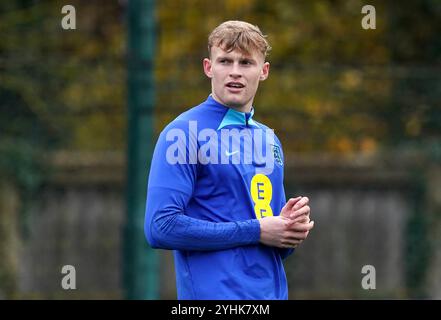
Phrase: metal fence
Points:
(333, 87)
(365, 212)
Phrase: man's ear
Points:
(265, 71)
(207, 67)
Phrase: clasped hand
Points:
(290, 228)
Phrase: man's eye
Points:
(223, 61)
(246, 62)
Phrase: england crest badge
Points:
(277, 154)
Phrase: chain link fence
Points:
(335, 90)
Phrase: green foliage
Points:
(59, 89)
(333, 86)
(72, 82)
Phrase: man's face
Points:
(235, 76)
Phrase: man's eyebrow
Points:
(240, 59)
(247, 59)
(224, 58)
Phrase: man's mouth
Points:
(235, 85)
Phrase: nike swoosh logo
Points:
(231, 153)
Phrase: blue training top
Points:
(215, 172)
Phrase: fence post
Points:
(140, 261)
(9, 240)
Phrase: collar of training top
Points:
(234, 117)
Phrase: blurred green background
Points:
(358, 113)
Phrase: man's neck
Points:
(245, 109)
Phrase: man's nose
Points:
(235, 71)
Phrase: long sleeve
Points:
(168, 227)
(171, 182)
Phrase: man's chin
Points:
(235, 103)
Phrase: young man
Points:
(215, 191)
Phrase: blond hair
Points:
(238, 35)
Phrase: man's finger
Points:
(299, 227)
(302, 219)
(303, 201)
(291, 202)
(296, 235)
(291, 243)
(305, 210)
